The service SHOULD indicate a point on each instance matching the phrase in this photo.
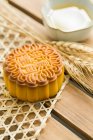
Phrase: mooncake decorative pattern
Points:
(33, 72)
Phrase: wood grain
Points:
(31, 7)
(19, 17)
(55, 131)
(76, 108)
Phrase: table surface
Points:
(72, 117)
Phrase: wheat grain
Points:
(78, 61)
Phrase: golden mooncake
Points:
(33, 72)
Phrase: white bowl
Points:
(78, 35)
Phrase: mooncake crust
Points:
(33, 66)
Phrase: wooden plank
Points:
(20, 18)
(76, 108)
(31, 7)
(55, 131)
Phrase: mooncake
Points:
(33, 72)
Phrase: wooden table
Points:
(72, 118)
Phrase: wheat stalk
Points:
(73, 48)
(78, 61)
